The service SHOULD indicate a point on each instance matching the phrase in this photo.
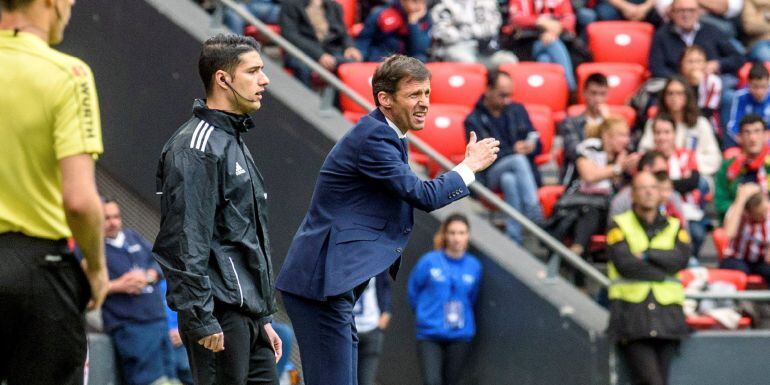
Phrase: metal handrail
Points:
(553, 244)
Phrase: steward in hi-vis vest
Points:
(646, 250)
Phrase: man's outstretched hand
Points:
(480, 154)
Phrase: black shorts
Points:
(43, 294)
(248, 358)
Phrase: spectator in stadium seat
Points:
(514, 172)
(747, 226)
(443, 288)
(573, 129)
(693, 131)
(682, 168)
(317, 28)
(134, 313)
(633, 10)
(553, 21)
(467, 31)
(684, 30)
(722, 14)
(706, 87)
(267, 11)
(402, 28)
(602, 160)
(756, 26)
(750, 166)
(646, 249)
(754, 99)
(372, 314)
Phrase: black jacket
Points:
(668, 47)
(213, 242)
(296, 28)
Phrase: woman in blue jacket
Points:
(442, 290)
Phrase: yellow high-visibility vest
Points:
(667, 292)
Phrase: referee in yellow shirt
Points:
(49, 135)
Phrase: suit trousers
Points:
(327, 338)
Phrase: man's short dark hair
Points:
(751, 119)
(648, 159)
(394, 69)
(494, 75)
(663, 117)
(596, 78)
(222, 52)
(758, 71)
(12, 5)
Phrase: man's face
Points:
(595, 95)
(664, 136)
(758, 88)
(249, 80)
(412, 6)
(646, 191)
(62, 10)
(753, 138)
(497, 97)
(409, 104)
(112, 221)
(684, 14)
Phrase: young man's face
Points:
(248, 80)
(664, 136)
(595, 95)
(408, 106)
(753, 138)
(61, 12)
(758, 88)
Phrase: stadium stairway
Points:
(531, 329)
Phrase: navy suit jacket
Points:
(360, 216)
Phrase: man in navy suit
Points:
(360, 218)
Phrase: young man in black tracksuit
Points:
(213, 245)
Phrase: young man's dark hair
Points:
(493, 75)
(751, 119)
(222, 52)
(664, 117)
(648, 159)
(758, 71)
(596, 78)
(12, 5)
(393, 70)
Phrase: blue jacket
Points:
(667, 48)
(744, 104)
(120, 308)
(518, 127)
(435, 281)
(360, 216)
(387, 31)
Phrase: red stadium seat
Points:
(624, 79)
(542, 118)
(620, 41)
(625, 112)
(357, 76)
(538, 83)
(735, 277)
(457, 83)
(445, 132)
(743, 73)
(252, 31)
(548, 196)
(353, 116)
